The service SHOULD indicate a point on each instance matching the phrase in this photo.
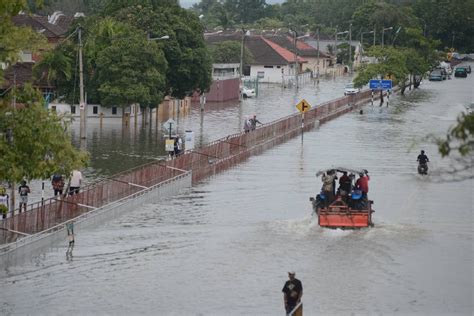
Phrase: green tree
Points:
(246, 11)
(458, 145)
(460, 137)
(131, 70)
(343, 53)
(53, 66)
(391, 63)
(451, 22)
(229, 52)
(34, 143)
(15, 39)
(186, 53)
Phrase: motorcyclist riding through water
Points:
(422, 163)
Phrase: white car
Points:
(349, 89)
(247, 92)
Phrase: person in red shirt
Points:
(363, 182)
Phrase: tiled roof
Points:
(21, 73)
(283, 52)
(303, 49)
(41, 24)
(264, 51)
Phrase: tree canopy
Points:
(14, 39)
(34, 142)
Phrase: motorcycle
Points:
(423, 168)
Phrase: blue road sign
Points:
(378, 84)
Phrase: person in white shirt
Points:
(76, 181)
(3, 202)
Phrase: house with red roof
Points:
(274, 59)
(316, 61)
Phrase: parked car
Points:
(460, 72)
(436, 75)
(350, 89)
(248, 92)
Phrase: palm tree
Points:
(53, 65)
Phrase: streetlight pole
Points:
(362, 42)
(452, 41)
(383, 32)
(339, 33)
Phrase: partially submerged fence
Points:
(201, 163)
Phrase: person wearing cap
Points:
(292, 292)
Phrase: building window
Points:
(114, 110)
(73, 109)
(261, 74)
(53, 108)
(267, 66)
(95, 110)
(278, 67)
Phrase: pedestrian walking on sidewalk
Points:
(58, 184)
(4, 202)
(76, 181)
(23, 190)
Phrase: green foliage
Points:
(229, 52)
(14, 39)
(131, 70)
(245, 11)
(451, 22)
(52, 66)
(269, 24)
(459, 138)
(186, 53)
(343, 53)
(391, 62)
(40, 145)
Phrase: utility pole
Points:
(242, 63)
(318, 58)
(82, 105)
(296, 58)
(374, 35)
(350, 48)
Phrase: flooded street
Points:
(224, 246)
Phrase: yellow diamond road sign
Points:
(303, 106)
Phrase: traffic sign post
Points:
(380, 84)
(303, 106)
(169, 127)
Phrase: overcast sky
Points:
(189, 3)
